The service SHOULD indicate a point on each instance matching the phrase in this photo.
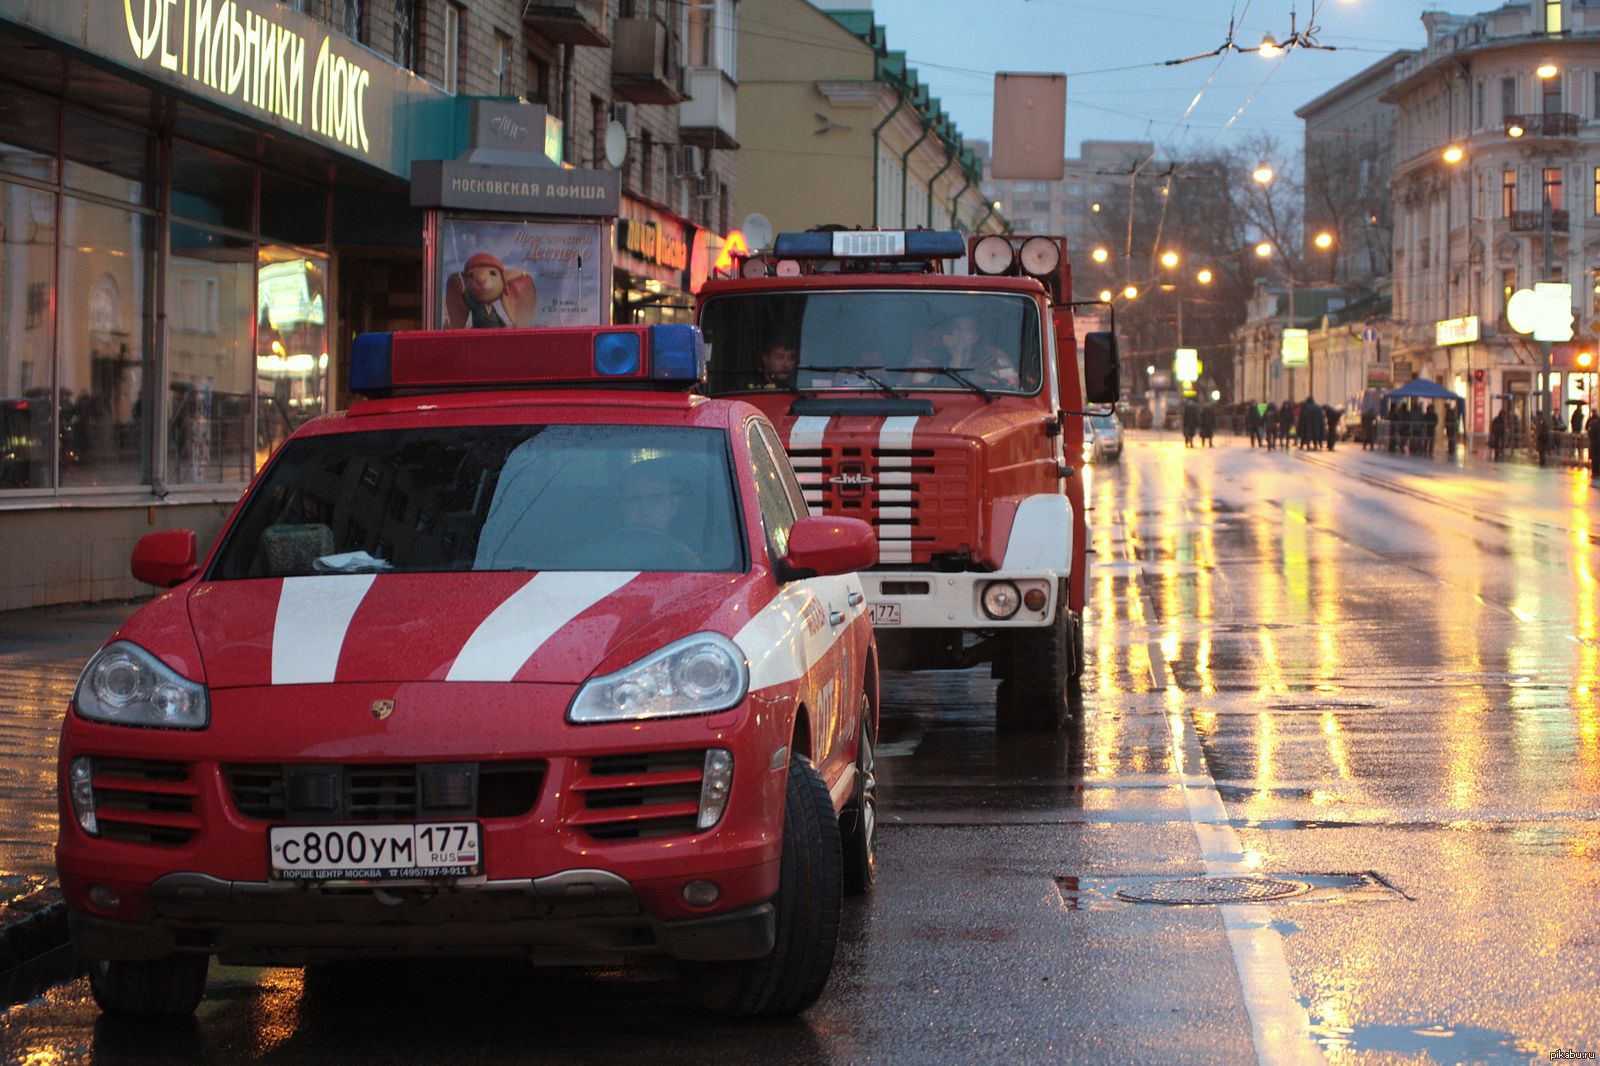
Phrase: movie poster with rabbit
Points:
(500, 275)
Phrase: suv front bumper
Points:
(576, 917)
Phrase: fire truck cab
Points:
(946, 410)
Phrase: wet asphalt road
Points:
(1374, 679)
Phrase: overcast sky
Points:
(957, 45)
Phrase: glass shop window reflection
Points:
(291, 343)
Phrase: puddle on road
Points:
(1432, 1043)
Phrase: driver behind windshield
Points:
(958, 344)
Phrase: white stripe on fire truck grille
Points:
(893, 460)
(897, 432)
(313, 617)
(894, 496)
(807, 432)
(529, 617)
(894, 477)
(902, 513)
(894, 552)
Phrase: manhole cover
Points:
(1189, 890)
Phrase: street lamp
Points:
(1547, 70)
(1204, 277)
(1169, 259)
(1269, 48)
(1323, 240)
(1454, 154)
(1262, 175)
(1105, 296)
(1264, 250)
(1100, 255)
(1131, 292)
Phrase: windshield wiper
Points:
(956, 376)
(858, 371)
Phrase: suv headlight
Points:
(696, 675)
(126, 685)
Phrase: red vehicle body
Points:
(969, 477)
(473, 687)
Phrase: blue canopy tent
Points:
(1422, 389)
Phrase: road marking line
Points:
(1279, 1028)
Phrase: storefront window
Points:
(293, 212)
(210, 435)
(27, 337)
(109, 161)
(211, 188)
(291, 343)
(28, 128)
(106, 265)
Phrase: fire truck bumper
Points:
(930, 600)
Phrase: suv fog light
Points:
(103, 898)
(80, 780)
(715, 782)
(1035, 599)
(701, 893)
(1001, 599)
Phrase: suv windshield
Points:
(870, 339)
(517, 497)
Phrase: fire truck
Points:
(945, 409)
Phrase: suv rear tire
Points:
(810, 889)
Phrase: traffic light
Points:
(1585, 359)
(1478, 376)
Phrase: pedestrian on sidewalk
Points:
(1430, 428)
(1541, 435)
(1577, 418)
(1191, 422)
(1286, 420)
(1252, 422)
(1452, 428)
(1497, 435)
(1208, 424)
(1269, 426)
(1594, 446)
(1333, 414)
(1369, 428)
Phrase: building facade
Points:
(202, 202)
(1516, 93)
(849, 133)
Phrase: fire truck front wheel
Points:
(1042, 686)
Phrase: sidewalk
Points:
(41, 652)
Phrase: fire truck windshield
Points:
(866, 339)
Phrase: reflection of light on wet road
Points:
(275, 1013)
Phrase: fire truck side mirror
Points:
(1102, 370)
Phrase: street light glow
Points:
(1131, 292)
(1105, 296)
(1269, 49)
(1454, 154)
(1204, 277)
(1095, 208)
(1547, 70)
(1169, 259)
(1323, 240)
(1264, 249)
(1263, 175)
(1100, 255)
(1586, 359)
(1514, 130)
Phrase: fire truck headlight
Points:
(701, 674)
(1001, 599)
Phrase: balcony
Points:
(644, 63)
(707, 118)
(1533, 221)
(568, 21)
(1557, 124)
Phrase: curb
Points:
(35, 947)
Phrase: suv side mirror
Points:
(165, 559)
(824, 545)
(1102, 368)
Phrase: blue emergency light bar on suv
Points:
(382, 363)
(870, 244)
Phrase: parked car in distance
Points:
(1102, 438)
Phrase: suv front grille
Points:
(144, 801)
(405, 792)
(633, 797)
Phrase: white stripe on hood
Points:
(528, 618)
(313, 619)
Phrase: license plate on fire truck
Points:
(375, 852)
(886, 614)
